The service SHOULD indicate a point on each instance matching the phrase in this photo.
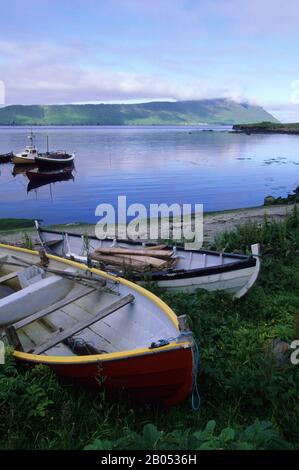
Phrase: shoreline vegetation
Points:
(247, 384)
(14, 230)
(267, 127)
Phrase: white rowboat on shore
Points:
(198, 269)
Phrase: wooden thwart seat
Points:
(62, 336)
(9, 277)
(57, 306)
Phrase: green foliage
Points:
(277, 238)
(261, 435)
(217, 111)
(10, 224)
(28, 243)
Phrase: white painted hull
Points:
(232, 282)
(201, 269)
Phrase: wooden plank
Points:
(37, 332)
(164, 254)
(140, 263)
(58, 305)
(155, 247)
(9, 276)
(76, 276)
(118, 261)
(60, 337)
(13, 338)
(26, 341)
(148, 260)
(50, 243)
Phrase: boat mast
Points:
(31, 137)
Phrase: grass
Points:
(12, 224)
(248, 400)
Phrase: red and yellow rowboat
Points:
(93, 328)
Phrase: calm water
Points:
(150, 165)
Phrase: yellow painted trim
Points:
(102, 357)
(71, 360)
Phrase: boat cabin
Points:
(29, 152)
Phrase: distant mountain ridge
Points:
(210, 111)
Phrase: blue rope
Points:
(195, 396)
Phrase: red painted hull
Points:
(165, 376)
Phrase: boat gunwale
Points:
(98, 358)
(242, 263)
(49, 159)
(106, 356)
(139, 242)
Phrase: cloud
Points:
(46, 73)
(285, 112)
(256, 17)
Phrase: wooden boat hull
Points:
(163, 373)
(47, 162)
(236, 282)
(232, 273)
(18, 160)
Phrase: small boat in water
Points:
(54, 159)
(94, 328)
(6, 157)
(175, 269)
(27, 157)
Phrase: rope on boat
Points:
(195, 396)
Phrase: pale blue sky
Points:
(58, 51)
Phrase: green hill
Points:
(213, 111)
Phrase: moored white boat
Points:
(27, 156)
(93, 328)
(55, 159)
(200, 269)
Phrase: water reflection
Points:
(38, 177)
(22, 169)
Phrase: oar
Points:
(78, 277)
